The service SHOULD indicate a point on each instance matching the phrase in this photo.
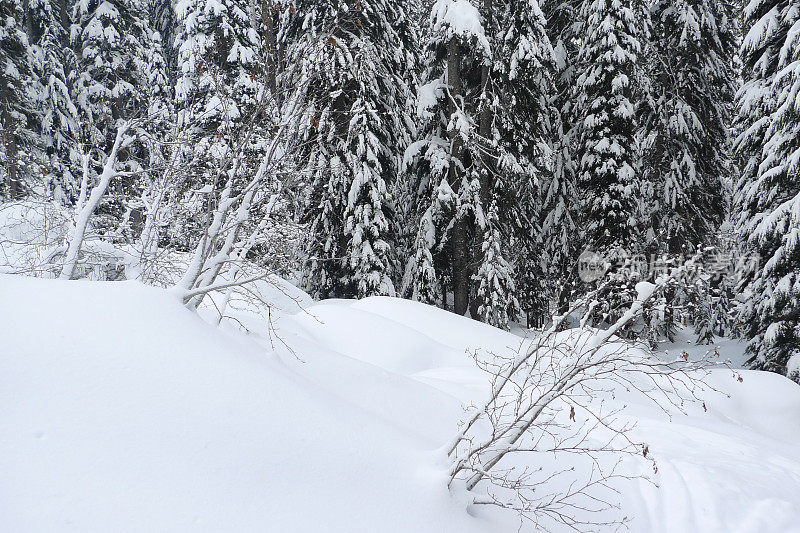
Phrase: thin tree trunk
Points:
(458, 239)
(86, 210)
(12, 167)
(270, 46)
(485, 119)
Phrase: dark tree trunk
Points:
(12, 167)
(458, 239)
(270, 46)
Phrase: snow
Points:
(124, 420)
(644, 290)
(428, 96)
(121, 410)
(460, 18)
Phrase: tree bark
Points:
(270, 46)
(458, 239)
(10, 142)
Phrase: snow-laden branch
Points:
(85, 210)
(218, 244)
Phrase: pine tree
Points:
(111, 37)
(686, 119)
(485, 113)
(216, 89)
(524, 122)
(560, 211)
(605, 107)
(420, 282)
(769, 190)
(495, 277)
(164, 20)
(17, 100)
(703, 312)
(112, 41)
(222, 119)
(352, 64)
(448, 153)
(53, 61)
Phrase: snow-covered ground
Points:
(121, 410)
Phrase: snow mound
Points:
(120, 410)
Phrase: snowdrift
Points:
(120, 410)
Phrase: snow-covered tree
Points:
(485, 114)
(448, 153)
(111, 38)
(163, 19)
(606, 124)
(216, 89)
(17, 99)
(769, 190)
(524, 122)
(560, 213)
(495, 276)
(351, 64)
(54, 59)
(691, 72)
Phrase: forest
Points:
(462, 154)
(540, 255)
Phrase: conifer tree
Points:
(769, 190)
(448, 152)
(524, 122)
(495, 277)
(606, 125)
(111, 38)
(352, 63)
(686, 119)
(216, 88)
(480, 156)
(163, 19)
(560, 204)
(53, 60)
(17, 100)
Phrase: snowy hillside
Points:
(121, 410)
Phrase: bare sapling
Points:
(530, 417)
(86, 206)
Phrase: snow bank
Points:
(120, 410)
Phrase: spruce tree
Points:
(17, 100)
(54, 59)
(111, 38)
(448, 154)
(606, 125)
(769, 190)
(351, 64)
(495, 276)
(560, 211)
(217, 89)
(164, 20)
(524, 123)
(480, 155)
(221, 117)
(686, 119)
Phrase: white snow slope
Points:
(120, 410)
